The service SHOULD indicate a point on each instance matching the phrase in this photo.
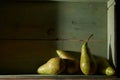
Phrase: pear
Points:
(87, 61)
(72, 64)
(64, 55)
(53, 66)
(104, 66)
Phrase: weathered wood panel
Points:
(28, 20)
(31, 32)
(24, 56)
(51, 20)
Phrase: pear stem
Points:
(89, 37)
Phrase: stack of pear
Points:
(53, 66)
(88, 64)
(72, 64)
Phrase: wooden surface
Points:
(57, 77)
(61, 79)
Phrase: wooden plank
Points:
(62, 77)
(24, 56)
(28, 20)
(52, 20)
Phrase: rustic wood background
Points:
(30, 32)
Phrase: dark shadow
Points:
(31, 26)
(117, 15)
(75, 54)
(110, 54)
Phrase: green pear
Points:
(87, 61)
(72, 64)
(104, 66)
(53, 66)
(64, 55)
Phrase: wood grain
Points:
(31, 32)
